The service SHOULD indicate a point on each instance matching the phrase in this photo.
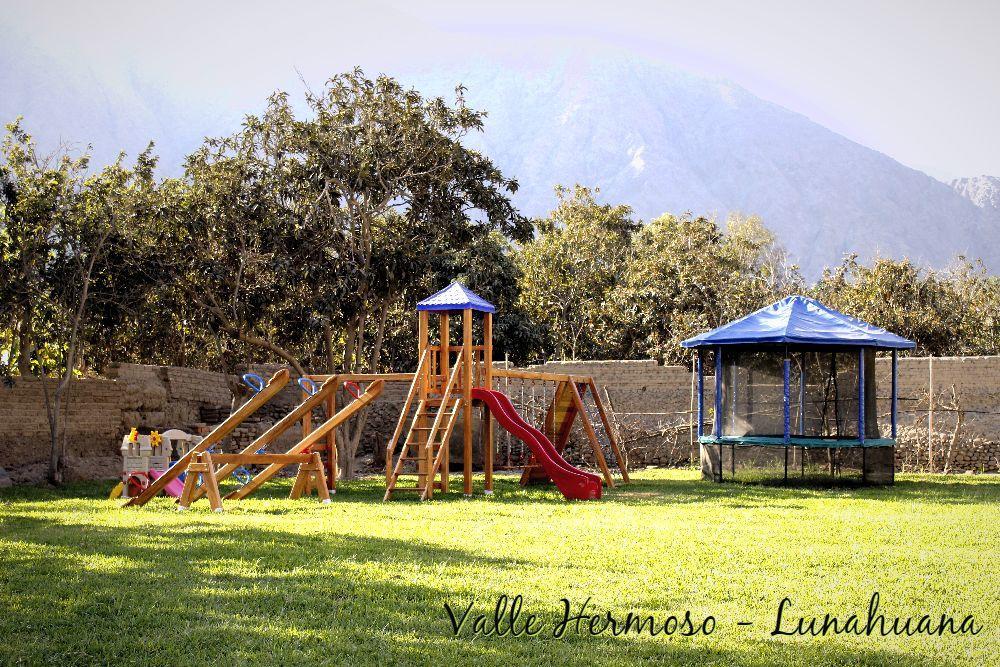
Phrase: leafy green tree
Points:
(569, 270)
(299, 236)
(687, 275)
(36, 196)
(60, 234)
(945, 313)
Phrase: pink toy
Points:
(173, 488)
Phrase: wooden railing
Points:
(418, 376)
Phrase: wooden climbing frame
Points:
(567, 404)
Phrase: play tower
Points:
(454, 381)
(442, 390)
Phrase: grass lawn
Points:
(273, 581)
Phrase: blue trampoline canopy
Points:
(798, 320)
(795, 374)
(456, 296)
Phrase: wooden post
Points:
(488, 351)
(333, 469)
(467, 397)
(445, 374)
(488, 439)
(612, 436)
(423, 465)
(598, 454)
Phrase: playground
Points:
(361, 581)
(377, 569)
(451, 383)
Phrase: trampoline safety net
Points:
(823, 394)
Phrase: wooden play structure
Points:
(456, 380)
(199, 462)
(455, 385)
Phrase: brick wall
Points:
(650, 403)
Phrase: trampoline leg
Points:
(732, 461)
(864, 465)
(786, 464)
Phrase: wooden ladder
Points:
(426, 447)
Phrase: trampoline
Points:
(795, 394)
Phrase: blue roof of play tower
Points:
(797, 320)
(456, 296)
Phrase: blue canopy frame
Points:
(796, 323)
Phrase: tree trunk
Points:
(348, 445)
(53, 412)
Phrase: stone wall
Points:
(965, 389)
(649, 404)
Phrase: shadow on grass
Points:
(659, 491)
(206, 592)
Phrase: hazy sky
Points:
(916, 80)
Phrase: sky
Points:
(916, 80)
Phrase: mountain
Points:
(983, 191)
(654, 137)
(663, 140)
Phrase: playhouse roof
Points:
(456, 296)
(801, 321)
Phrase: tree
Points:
(105, 210)
(569, 270)
(58, 230)
(687, 276)
(945, 313)
(298, 236)
(36, 194)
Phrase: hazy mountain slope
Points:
(983, 191)
(654, 137)
(662, 140)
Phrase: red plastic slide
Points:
(574, 483)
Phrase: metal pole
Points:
(894, 389)
(787, 400)
(861, 396)
(701, 393)
(802, 396)
(718, 392)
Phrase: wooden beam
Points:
(273, 386)
(330, 478)
(261, 459)
(535, 375)
(363, 377)
(302, 411)
(612, 436)
(598, 454)
(304, 445)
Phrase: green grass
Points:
(273, 581)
